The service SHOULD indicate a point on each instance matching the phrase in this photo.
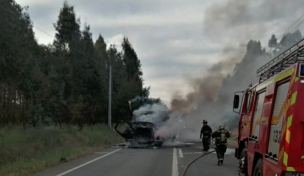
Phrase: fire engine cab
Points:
(271, 126)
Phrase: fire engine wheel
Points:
(243, 163)
(258, 169)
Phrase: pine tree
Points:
(91, 81)
(102, 60)
(17, 49)
(290, 39)
(101, 50)
(119, 90)
(133, 65)
(272, 43)
(133, 68)
(67, 27)
(67, 44)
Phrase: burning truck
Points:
(142, 130)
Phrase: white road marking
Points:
(180, 152)
(174, 163)
(88, 163)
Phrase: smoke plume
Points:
(231, 23)
(155, 113)
(206, 89)
(236, 21)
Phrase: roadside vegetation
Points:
(23, 152)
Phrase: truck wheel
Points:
(258, 169)
(243, 163)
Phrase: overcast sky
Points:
(175, 40)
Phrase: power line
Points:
(33, 25)
(43, 31)
(77, 68)
(51, 36)
(291, 29)
(297, 27)
(294, 26)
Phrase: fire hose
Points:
(186, 168)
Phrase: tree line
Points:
(65, 82)
(288, 40)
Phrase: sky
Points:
(175, 40)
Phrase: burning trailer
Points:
(141, 135)
(141, 131)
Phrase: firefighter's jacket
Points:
(221, 136)
(206, 131)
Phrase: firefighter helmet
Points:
(221, 126)
(205, 121)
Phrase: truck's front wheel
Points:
(243, 163)
(258, 169)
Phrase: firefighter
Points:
(221, 136)
(206, 131)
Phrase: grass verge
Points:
(24, 152)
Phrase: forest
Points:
(67, 81)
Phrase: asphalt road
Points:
(167, 161)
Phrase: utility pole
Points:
(110, 96)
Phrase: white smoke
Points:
(137, 98)
(155, 113)
(170, 125)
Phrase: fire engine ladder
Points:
(289, 57)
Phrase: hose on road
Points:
(186, 168)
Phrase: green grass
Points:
(23, 152)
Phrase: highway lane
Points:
(167, 161)
(207, 165)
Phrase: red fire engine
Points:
(271, 126)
